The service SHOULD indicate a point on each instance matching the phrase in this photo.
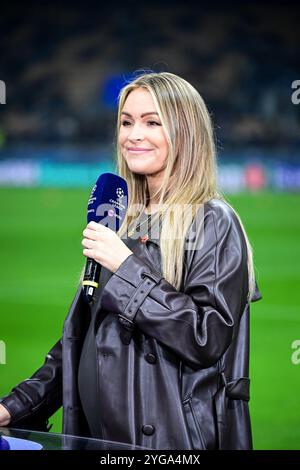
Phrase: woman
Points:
(161, 357)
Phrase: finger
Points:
(88, 243)
(88, 253)
(98, 227)
(93, 225)
(92, 234)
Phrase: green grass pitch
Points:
(41, 258)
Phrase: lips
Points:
(138, 150)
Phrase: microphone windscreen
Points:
(108, 201)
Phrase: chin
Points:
(139, 171)
(143, 170)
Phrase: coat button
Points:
(151, 358)
(148, 429)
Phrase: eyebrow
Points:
(142, 115)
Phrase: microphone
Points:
(107, 205)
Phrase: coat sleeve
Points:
(34, 400)
(199, 323)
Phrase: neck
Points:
(150, 210)
(151, 207)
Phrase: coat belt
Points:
(238, 389)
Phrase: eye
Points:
(125, 123)
(153, 123)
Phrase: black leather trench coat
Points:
(173, 366)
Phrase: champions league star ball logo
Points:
(120, 193)
(116, 204)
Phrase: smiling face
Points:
(141, 136)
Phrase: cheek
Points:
(164, 148)
(122, 137)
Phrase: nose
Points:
(136, 133)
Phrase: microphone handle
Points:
(91, 278)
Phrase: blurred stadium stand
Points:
(63, 65)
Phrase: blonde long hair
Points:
(191, 157)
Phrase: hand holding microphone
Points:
(106, 211)
(104, 246)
